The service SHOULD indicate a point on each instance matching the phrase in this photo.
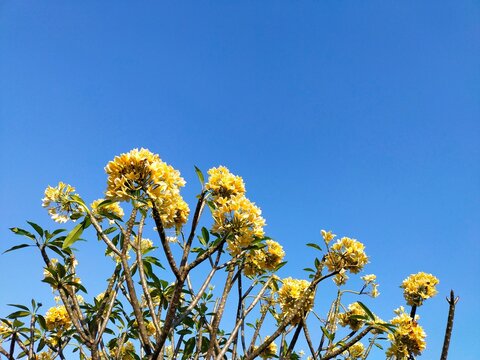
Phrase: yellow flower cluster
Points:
(419, 287)
(142, 175)
(265, 259)
(349, 318)
(44, 355)
(5, 330)
(346, 254)
(59, 203)
(223, 184)
(408, 337)
(106, 210)
(370, 281)
(354, 352)
(127, 351)
(270, 351)
(57, 318)
(234, 214)
(295, 298)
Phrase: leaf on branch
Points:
(200, 175)
(367, 310)
(16, 247)
(315, 246)
(19, 231)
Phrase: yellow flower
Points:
(270, 351)
(222, 183)
(295, 298)
(419, 287)
(57, 318)
(265, 259)
(127, 351)
(408, 337)
(327, 236)
(44, 355)
(350, 319)
(369, 278)
(58, 202)
(142, 175)
(107, 210)
(240, 218)
(354, 352)
(348, 254)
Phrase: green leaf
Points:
(315, 246)
(73, 236)
(367, 310)
(37, 228)
(19, 231)
(18, 314)
(23, 307)
(205, 234)
(16, 247)
(327, 334)
(378, 345)
(200, 175)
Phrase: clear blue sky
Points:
(362, 117)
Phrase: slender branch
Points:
(32, 335)
(219, 313)
(164, 241)
(452, 302)
(143, 278)
(196, 218)
(339, 350)
(131, 286)
(308, 338)
(5, 353)
(103, 236)
(240, 321)
(287, 320)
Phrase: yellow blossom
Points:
(113, 208)
(348, 254)
(222, 183)
(127, 351)
(295, 298)
(57, 318)
(419, 287)
(354, 352)
(327, 236)
(142, 175)
(349, 318)
(408, 337)
(240, 218)
(58, 201)
(270, 351)
(265, 259)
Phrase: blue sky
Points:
(359, 117)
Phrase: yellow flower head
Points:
(270, 351)
(58, 201)
(295, 298)
(222, 183)
(127, 351)
(241, 219)
(140, 174)
(354, 352)
(57, 318)
(327, 236)
(408, 337)
(265, 259)
(350, 319)
(419, 287)
(107, 210)
(348, 254)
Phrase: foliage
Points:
(142, 315)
